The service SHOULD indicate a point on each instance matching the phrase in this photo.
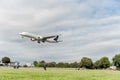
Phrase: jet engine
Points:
(33, 39)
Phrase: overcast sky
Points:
(89, 28)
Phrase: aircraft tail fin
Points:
(56, 38)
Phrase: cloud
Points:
(88, 28)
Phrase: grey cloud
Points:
(87, 29)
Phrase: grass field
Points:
(57, 74)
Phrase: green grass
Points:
(57, 74)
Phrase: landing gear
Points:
(38, 39)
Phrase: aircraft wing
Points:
(48, 37)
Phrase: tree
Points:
(41, 63)
(116, 60)
(25, 65)
(60, 64)
(66, 65)
(86, 63)
(6, 60)
(104, 62)
(74, 65)
(35, 63)
(97, 64)
(51, 64)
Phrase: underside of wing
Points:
(48, 37)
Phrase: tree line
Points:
(85, 62)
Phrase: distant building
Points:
(112, 68)
(30, 64)
(12, 64)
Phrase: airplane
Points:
(49, 39)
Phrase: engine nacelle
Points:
(33, 39)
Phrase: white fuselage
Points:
(39, 38)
